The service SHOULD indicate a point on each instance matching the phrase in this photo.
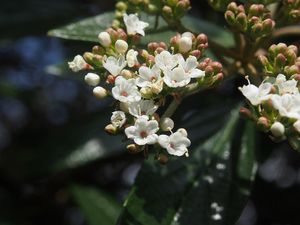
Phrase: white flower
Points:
(148, 76)
(104, 39)
(143, 132)
(280, 78)
(190, 66)
(118, 118)
(166, 61)
(134, 25)
(131, 57)
(256, 95)
(286, 86)
(114, 65)
(277, 129)
(125, 90)
(121, 46)
(176, 77)
(176, 143)
(142, 108)
(186, 42)
(297, 126)
(77, 64)
(92, 79)
(287, 105)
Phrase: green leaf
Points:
(97, 206)
(207, 188)
(88, 29)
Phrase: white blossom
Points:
(77, 64)
(142, 108)
(190, 66)
(287, 105)
(175, 144)
(185, 42)
(147, 76)
(134, 25)
(143, 132)
(131, 57)
(121, 46)
(104, 39)
(125, 90)
(176, 77)
(92, 79)
(166, 61)
(114, 65)
(118, 118)
(256, 95)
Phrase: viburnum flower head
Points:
(190, 66)
(175, 144)
(166, 61)
(126, 90)
(147, 76)
(77, 64)
(114, 65)
(143, 132)
(256, 95)
(118, 118)
(134, 25)
(142, 108)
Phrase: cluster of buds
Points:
(188, 44)
(173, 10)
(291, 10)
(281, 59)
(254, 20)
(275, 106)
(140, 80)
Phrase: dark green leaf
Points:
(97, 206)
(207, 188)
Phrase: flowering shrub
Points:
(149, 78)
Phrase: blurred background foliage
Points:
(57, 166)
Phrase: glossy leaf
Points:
(97, 206)
(207, 188)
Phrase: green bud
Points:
(121, 6)
(230, 17)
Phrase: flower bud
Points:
(133, 148)
(163, 159)
(166, 124)
(122, 6)
(263, 123)
(111, 129)
(183, 131)
(121, 46)
(104, 39)
(98, 50)
(185, 44)
(92, 79)
(277, 129)
(126, 74)
(100, 92)
(146, 92)
(246, 112)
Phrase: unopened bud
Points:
(163, 159)
(185, 44)
(166, 124)
(92, 79)
(277, 129)
(126, 74)
(104, 39)
(111, 129)
(263, 123)
(183, 131)
(100, 92)
(245, 112)
(146, 92)
(133, 148)
(121, 46)
(122, 6)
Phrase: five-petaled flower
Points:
(134, 25)
(125, 90)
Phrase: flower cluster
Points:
(140, 81)
(281, 59)
(275, 105)
(254, 20)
